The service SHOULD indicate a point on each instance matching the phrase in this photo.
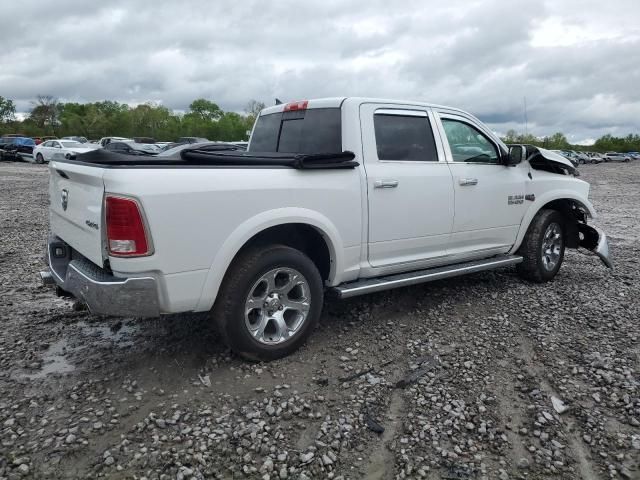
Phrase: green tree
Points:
(205, 110)
(558, 141)
(7, 110)
(45, 113)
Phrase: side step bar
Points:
(371, 285)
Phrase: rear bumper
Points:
(103, 293)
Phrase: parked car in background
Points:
(43, 139)
(581, 157)
(58, 149)
(177, 148)
(242, 145)
(5, 140)
(616, 157)
(634, 155)
(104, 141)
(76, 139)
(595, 157)
(566, 154)
(20, 148)
(192, 140)
(129, 147)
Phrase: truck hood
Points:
(554, 157)
(551, 161)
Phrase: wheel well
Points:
(573, 213)
(300, 236)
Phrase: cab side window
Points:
(468, 144)
(404, 137)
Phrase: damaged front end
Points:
(582, 235)
(579, 233)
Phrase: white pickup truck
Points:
(341, 195)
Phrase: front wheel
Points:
(543, 247)
(269, 303)
(39, 158)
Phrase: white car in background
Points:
(59, 149)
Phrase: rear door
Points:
(409, 186)
(76, 194)
(489, 196)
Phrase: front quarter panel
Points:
(547, 187)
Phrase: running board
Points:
(371, 285)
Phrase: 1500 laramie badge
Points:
(341, 195)
(515, 199)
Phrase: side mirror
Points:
(517, 153)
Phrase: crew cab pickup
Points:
(344, 196)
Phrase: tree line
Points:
(558, 141)
(204, 118)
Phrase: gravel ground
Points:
(513, 380)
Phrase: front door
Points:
(489, 196)
(409, 186)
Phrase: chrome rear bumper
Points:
(103, 293)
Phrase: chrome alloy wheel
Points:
(277, 306)
(551, 246)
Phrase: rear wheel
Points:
(269, 303)
(543, 247)
(39, 158)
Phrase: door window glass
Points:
(404, 137)
(468, 144)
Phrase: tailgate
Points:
(75, 210)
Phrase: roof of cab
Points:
(336, 102)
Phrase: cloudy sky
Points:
(577, 62)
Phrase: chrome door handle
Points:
(465, 182)
(385, 183)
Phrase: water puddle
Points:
(55, 358)
(54, 361)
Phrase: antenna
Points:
(526, 126)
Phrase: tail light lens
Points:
(126, 232)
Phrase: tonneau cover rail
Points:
(222, 156)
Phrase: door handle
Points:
(385, 183)
(465, 182)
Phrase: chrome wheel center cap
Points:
(273, 302)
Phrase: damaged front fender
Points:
(594, 239)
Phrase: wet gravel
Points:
(481, 377)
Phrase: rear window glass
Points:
(400, 137)
(317, 130)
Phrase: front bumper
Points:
(595, 239)
(104, 293)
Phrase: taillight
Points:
(293, 106)
(126, 232)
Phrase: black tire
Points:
(535, 267)
(228, 313)
(39, 158)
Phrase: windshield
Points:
(71, 144)
(317, 130)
